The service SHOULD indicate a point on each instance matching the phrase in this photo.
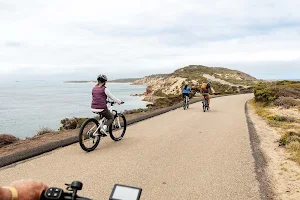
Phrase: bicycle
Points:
(205, 105)
(186, 103)
(116, 130)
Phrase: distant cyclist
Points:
(100, 95)
(186, 90)
(205, 89)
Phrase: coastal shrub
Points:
(169, 101)
(268, 92)
(286, 102)
(234, 88)
(6, 139)
(265, 95)
(159, 93)
(281, 118)
(44, 131)
(294, 146)
(140, 110)
(71, 123)
(246, 90)
(289, 137)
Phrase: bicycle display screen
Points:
(122, 192)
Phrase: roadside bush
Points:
(266, 95)
(169, 101)
(246, 90)
(44, 131)
(286, 102)
(159, 93)
(71, 123)
(6, 139)
(289, 137)
(294, 146)
(281, 118)
(128, 112)
(268, 92)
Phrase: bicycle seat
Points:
(97, 111)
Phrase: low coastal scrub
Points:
(71, 123)
(279, 104)
(284, 93)
(133, 111)
(291, 140)
(287, 102)
(43, 131)
(6, 139)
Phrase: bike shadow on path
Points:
(106, 144)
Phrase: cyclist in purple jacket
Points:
(100, 95)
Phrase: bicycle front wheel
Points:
(118, 128)
(89, 135)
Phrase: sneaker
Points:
(103, 130)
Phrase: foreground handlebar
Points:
(58, 194)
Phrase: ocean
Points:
(28, 106)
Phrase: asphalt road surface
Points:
(183, 154)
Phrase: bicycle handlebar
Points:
(112, 102)
(58, 194)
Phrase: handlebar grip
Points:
(43, 196)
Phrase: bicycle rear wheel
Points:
(89, 136)
(187, 103)
(118, 128)
(204, 105)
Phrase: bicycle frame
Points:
(103, 119)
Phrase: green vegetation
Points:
(6, 139)
(133, 111)
(195, 72)
(44, 131)
(291, 140)
(125, 80)
(168, 101)
(71, 123)
(159, 93)
(287, 102)
(284, 94)
(157, 76)
(285, 91)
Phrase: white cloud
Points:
(131, 38)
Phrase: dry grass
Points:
(287, 102)
(287, 126)
(45, 130)
(6, 139)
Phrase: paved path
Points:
(179, 155)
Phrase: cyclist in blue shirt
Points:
(186, 90)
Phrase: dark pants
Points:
(109, 116)
(185, 94)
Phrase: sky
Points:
(77, 40)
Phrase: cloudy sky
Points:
(76, 39)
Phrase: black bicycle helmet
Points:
(102, 78)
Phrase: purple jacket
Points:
(99, 98)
